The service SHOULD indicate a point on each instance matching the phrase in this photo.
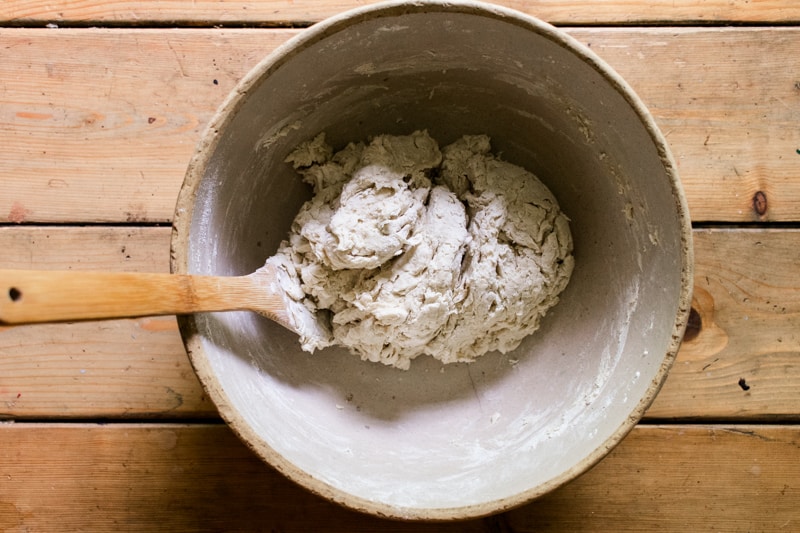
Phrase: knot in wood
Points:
(760, 203)
(693, 325)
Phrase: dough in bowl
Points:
(407, 249)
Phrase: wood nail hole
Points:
(15, 294)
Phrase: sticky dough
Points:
(406, 249)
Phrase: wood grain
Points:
(279, 12)
(106, 137)
(119, 249)
(747, 303)
(741, 358)
(117, 368)
(99, 125)
(727, 113)
(200, 478)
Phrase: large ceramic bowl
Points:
(443, 442)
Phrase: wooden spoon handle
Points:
(29, 296)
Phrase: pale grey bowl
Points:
(443, 442)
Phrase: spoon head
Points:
(284, 304)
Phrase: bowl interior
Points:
(458, 440)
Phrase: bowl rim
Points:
(206, 146)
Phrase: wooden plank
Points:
(740, 359)
(116, 368)
(112, 369)
(120, 249)
(727, 113)
(279, 12)
(747, 301)
(676, 478)
(200, 478)
(97, 125)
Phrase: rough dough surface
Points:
(407, 249)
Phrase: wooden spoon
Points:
(37, 296)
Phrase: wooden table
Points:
(104, 425)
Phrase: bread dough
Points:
(406, 249)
